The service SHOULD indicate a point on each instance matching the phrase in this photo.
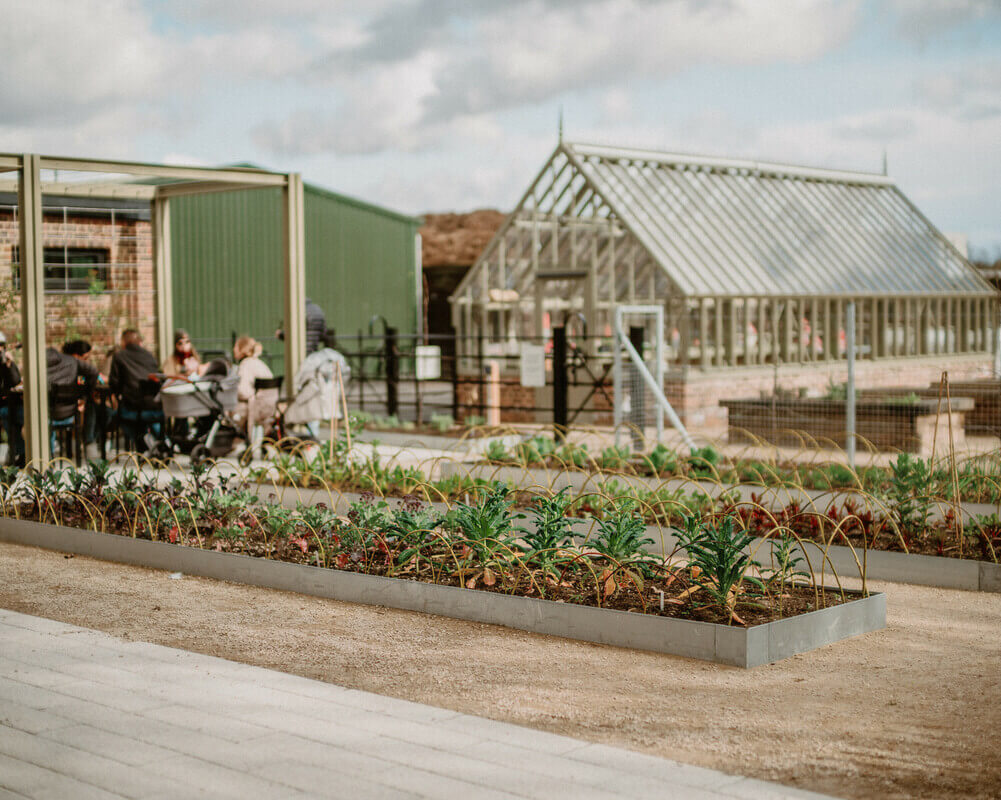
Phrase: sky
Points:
(451, 105)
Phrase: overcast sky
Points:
(432, 105)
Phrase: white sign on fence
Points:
(427, 362)
(533, 364)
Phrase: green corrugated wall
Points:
(226, 251)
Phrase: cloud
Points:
(880, 127)
(548, 49)
(438, 62)
(970, 92)
(921, 21)
(70, 61)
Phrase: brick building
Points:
(98, 269)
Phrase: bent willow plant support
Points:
(552, 549)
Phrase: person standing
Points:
(316, 328)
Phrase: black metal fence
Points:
(386, 378)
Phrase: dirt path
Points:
(908, 712)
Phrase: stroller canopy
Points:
(314, 387)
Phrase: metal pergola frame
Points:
(192, 180)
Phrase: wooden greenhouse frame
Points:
(753, 262)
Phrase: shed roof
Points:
(735, 228)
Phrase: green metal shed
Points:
(361, 261)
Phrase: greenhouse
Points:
(754, 263)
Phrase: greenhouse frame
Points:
(753, 262)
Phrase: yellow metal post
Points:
(164, 286)
(294, 235)
(36, 405)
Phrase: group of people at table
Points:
(119, 389)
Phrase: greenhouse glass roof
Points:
(743, 228)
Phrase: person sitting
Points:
(184, 361)
(11, 403)
(131, 365)
(249, 366)
(66, 372)
(81, 350)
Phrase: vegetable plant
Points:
(718, 564)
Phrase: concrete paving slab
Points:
(83, 714)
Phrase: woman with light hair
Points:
(249, 366)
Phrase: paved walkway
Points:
(86, 715)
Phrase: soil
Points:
(906, 712)
(591, 581)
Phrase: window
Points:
(70, 269)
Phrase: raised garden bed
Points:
(984, 419)
(539, 459)
(834, 560)
(888, 426)
(725, 644)
(434, 440)
(597, 481)
(484, 543)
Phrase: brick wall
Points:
(696, 396)
(129, 299)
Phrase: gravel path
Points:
(907, 712)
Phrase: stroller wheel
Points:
(199, 453)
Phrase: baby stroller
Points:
(314, 389)
(210, 399)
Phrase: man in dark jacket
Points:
(137, 411)
(92, 418)
(66, 371)
(132, 364)
(316, 328)
(11, 403)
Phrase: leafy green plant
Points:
(552, 524)
(360, 418)
(442, 422)
(573, 455)
(662, 460)
(534, 450)
(702, 462)
(621, 536)
(370, 514)
(787, 562)
(718, 564)
(834, 476)
(614, 457)
(487, 526)
(908, 492)
(910, 399)
(474, 421)
(413, 516)
(496, 452)
(838, 392)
